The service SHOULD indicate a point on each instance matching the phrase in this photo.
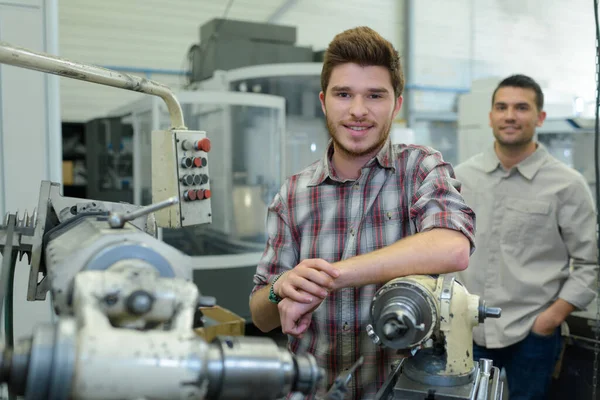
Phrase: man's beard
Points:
(384, 133)
(520, 142)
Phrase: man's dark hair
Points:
(525, 82)
(365, 47)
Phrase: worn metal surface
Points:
(100, 353)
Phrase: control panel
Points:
(180, 168)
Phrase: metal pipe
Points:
(147, 71)
(24, 58)
(440, 89)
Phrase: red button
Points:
(197, 162)
(190, 195)
(203, 194)
(203, 145)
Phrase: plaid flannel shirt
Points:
(403, 190)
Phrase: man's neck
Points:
(510, 156)
(348, 166)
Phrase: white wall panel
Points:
(454, 41)
(29, 134)
(319, 21)
(457, 41)
(157, 34)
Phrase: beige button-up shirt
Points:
(535, 240)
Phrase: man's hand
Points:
(296, 317)
(308, 282)
(552, 317)
(545, 324)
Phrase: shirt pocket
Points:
(524, 221)
(381, 229)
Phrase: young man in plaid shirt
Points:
(366, 213)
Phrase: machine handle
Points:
(117, 220)
(488, 312)
(340, 385)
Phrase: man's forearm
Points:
(265, 315)
(437, 251)
(560, 310)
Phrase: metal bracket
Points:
(36, 290)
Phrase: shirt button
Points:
(352, 231)
(356, 186)
(346, 327)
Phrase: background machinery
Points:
(125, 301)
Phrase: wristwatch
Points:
(273, 298)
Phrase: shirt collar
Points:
(528, 167)
(384, 158)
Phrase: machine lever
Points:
(340, 385)
(488, 312)
(117, 220)
(493, 312)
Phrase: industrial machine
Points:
(227, 44)
(126, 305)
(259, 60)
(264, 123)
(255, 92)
(125, 302)
(126, 310)
(431, 321)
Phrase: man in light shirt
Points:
(535, 217)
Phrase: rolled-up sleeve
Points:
(577, 222)
(280, 253)
(436, 201)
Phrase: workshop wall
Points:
(453, 41)
(29, 135)
(457, 41)
(156, 34)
